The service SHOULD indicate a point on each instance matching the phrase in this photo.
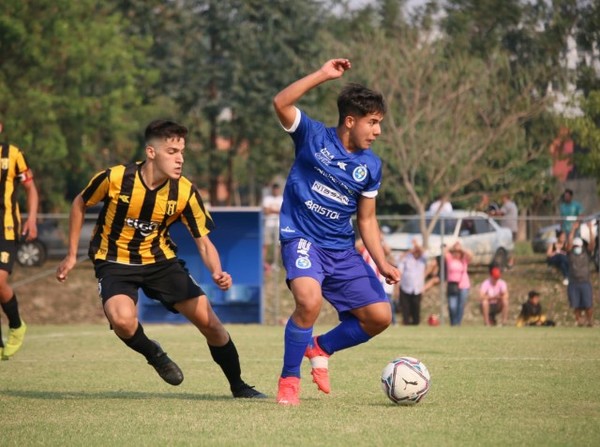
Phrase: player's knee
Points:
(384, 322)
(378, 324)
(123, 326)
(308, 309)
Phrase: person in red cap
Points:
(493, 294)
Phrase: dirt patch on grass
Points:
(43, 300)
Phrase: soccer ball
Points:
(405, 380)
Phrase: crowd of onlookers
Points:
(567, 253)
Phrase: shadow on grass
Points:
(117, 395)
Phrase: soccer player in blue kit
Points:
(334, 176)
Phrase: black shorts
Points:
(495, 309)
(168, 282)
(8, 254)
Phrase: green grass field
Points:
(79, 385)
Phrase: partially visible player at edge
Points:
(334, 176)
(14, 170)
(131, 249)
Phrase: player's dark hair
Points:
(532, 293)
(357, 100)
(164, 129)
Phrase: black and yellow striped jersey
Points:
(13, 169)
(133, 225)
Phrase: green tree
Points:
(68, 78)
(587, 36)
(453, 122)
(535, 37)
(585, 131)
(222, 63)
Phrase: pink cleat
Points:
(319, 361)
(288, 392)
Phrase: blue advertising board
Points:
(238, 237)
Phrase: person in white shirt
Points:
(441, 204)
(271, 206)
(413, 268)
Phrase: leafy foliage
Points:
(79, 81)
(68, 81)
(585, 131)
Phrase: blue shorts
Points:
(580, 295)
(347, 281)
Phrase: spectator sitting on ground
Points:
(556, 255)
(493, 294)
(531, 312)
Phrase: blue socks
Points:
(345, 335)
(296, 339)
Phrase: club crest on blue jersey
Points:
(303, 263)
(359, 173)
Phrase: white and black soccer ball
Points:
(405, 380)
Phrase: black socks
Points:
(227, 358)
(11, 309)
(142, 344)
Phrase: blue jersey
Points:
(323, 187)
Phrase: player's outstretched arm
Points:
(368, 227)
(75, 223)
(284, 102)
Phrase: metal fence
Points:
(533, 235)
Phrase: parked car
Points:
(52, 240)
(544, 236)
(482, 235)
(547, 235)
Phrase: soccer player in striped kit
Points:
(131, 249)
(13, 171)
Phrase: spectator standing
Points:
(510, 219)
(486, 205)
(15, 171)
(457, 262)
(569, 210)
(556, 255)
(531, 312)
(441, 204)
(271, 206)
(579, 290)
(493, 294)
(413, 269)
